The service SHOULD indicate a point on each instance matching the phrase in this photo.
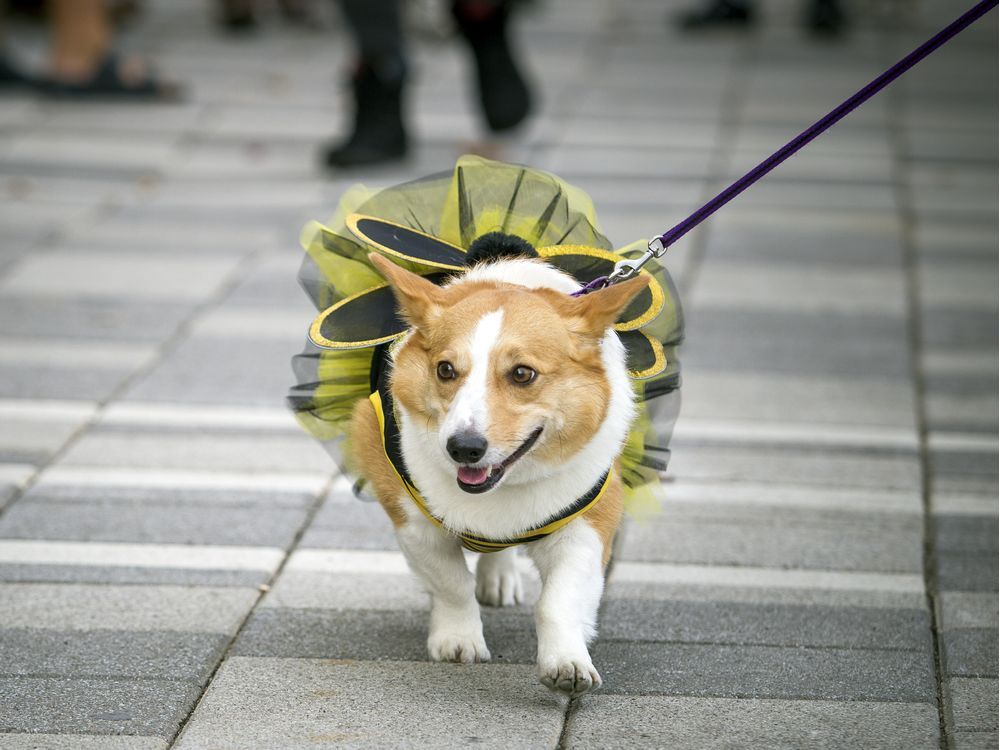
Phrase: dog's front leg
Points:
(570, 564)
(456, 632)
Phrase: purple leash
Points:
(658, 245)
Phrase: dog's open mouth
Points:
(481, 479)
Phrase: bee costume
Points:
(426, 226)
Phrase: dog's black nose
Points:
(467, 447)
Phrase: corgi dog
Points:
(509, 402)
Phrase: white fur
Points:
(569, 562)
(531, 492)
(468, 408)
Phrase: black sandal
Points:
(107, 82)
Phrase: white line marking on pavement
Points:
(181, 479)
(724, 575)
(787, 433)
(348, 561)
(40, 410)
(186, 415)
(689, 492)
(16, 474)
(175, 556)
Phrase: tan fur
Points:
(366, 441)
(606, 515)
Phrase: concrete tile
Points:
(723, 394)
(109, 521)
(887, 548)
(201, 450)
(41, 573)
(807, 466)
(970, 652)
(765, 672)
(960, 572)
(817, 344)
(354, 524)
(974, 740)
(354, 590)
(55, 383)
(89, 607)
(966, 610)
(212, 370)
(973, 702)
(66, 741)
(266, 703)
(104, 318)
(150, 277)
(95, 706)
(764, 624)
(376, 635)
(622, 721)
(965, 534)
(110, 653)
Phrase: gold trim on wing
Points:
(595, 252)
(322, 341)
(660, 363)
(352, 224)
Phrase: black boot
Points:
(825, 17)
(378, 135)
(718, 14)
(503, 91)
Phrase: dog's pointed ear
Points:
(419, 299)
(599, 310)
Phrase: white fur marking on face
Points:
(468, 410)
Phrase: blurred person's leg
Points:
(81, 57)
(717, 14)
(503, 93)
(12, 76)
(377, 134)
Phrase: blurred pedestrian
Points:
(821, 16)
(242, 15)
(82, 62)
(379, 132)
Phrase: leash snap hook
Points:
(626, 269)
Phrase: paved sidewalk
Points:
(180, 568)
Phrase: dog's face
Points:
(506, 380)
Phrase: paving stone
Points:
(58, 487)
(354, 524)
(806, 466)
(860, 401)
(141, 522)
(217, 371)
(765, 672)
(960, 572)
(97, 318)
(38, 652)
(81, 274)
(966, 534)
(974, 740)
(201, 450)
(850, 547)
(966, 610)
(27, 573)
(90, 607)
(620, 721)
(973, 703)
(266, 703)
(91, 706)
(970, 652)
(347, 590)
(376, 635)
(28, 441)
(770, 625)
(40, 741)
(766, 341)
(55, 383)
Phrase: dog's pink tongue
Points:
(468, 475)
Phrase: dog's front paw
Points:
(498, 581)
(458, 647)
(573, 675)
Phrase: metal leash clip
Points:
(626, 269)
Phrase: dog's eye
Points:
(522, 375)
(445, 371)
